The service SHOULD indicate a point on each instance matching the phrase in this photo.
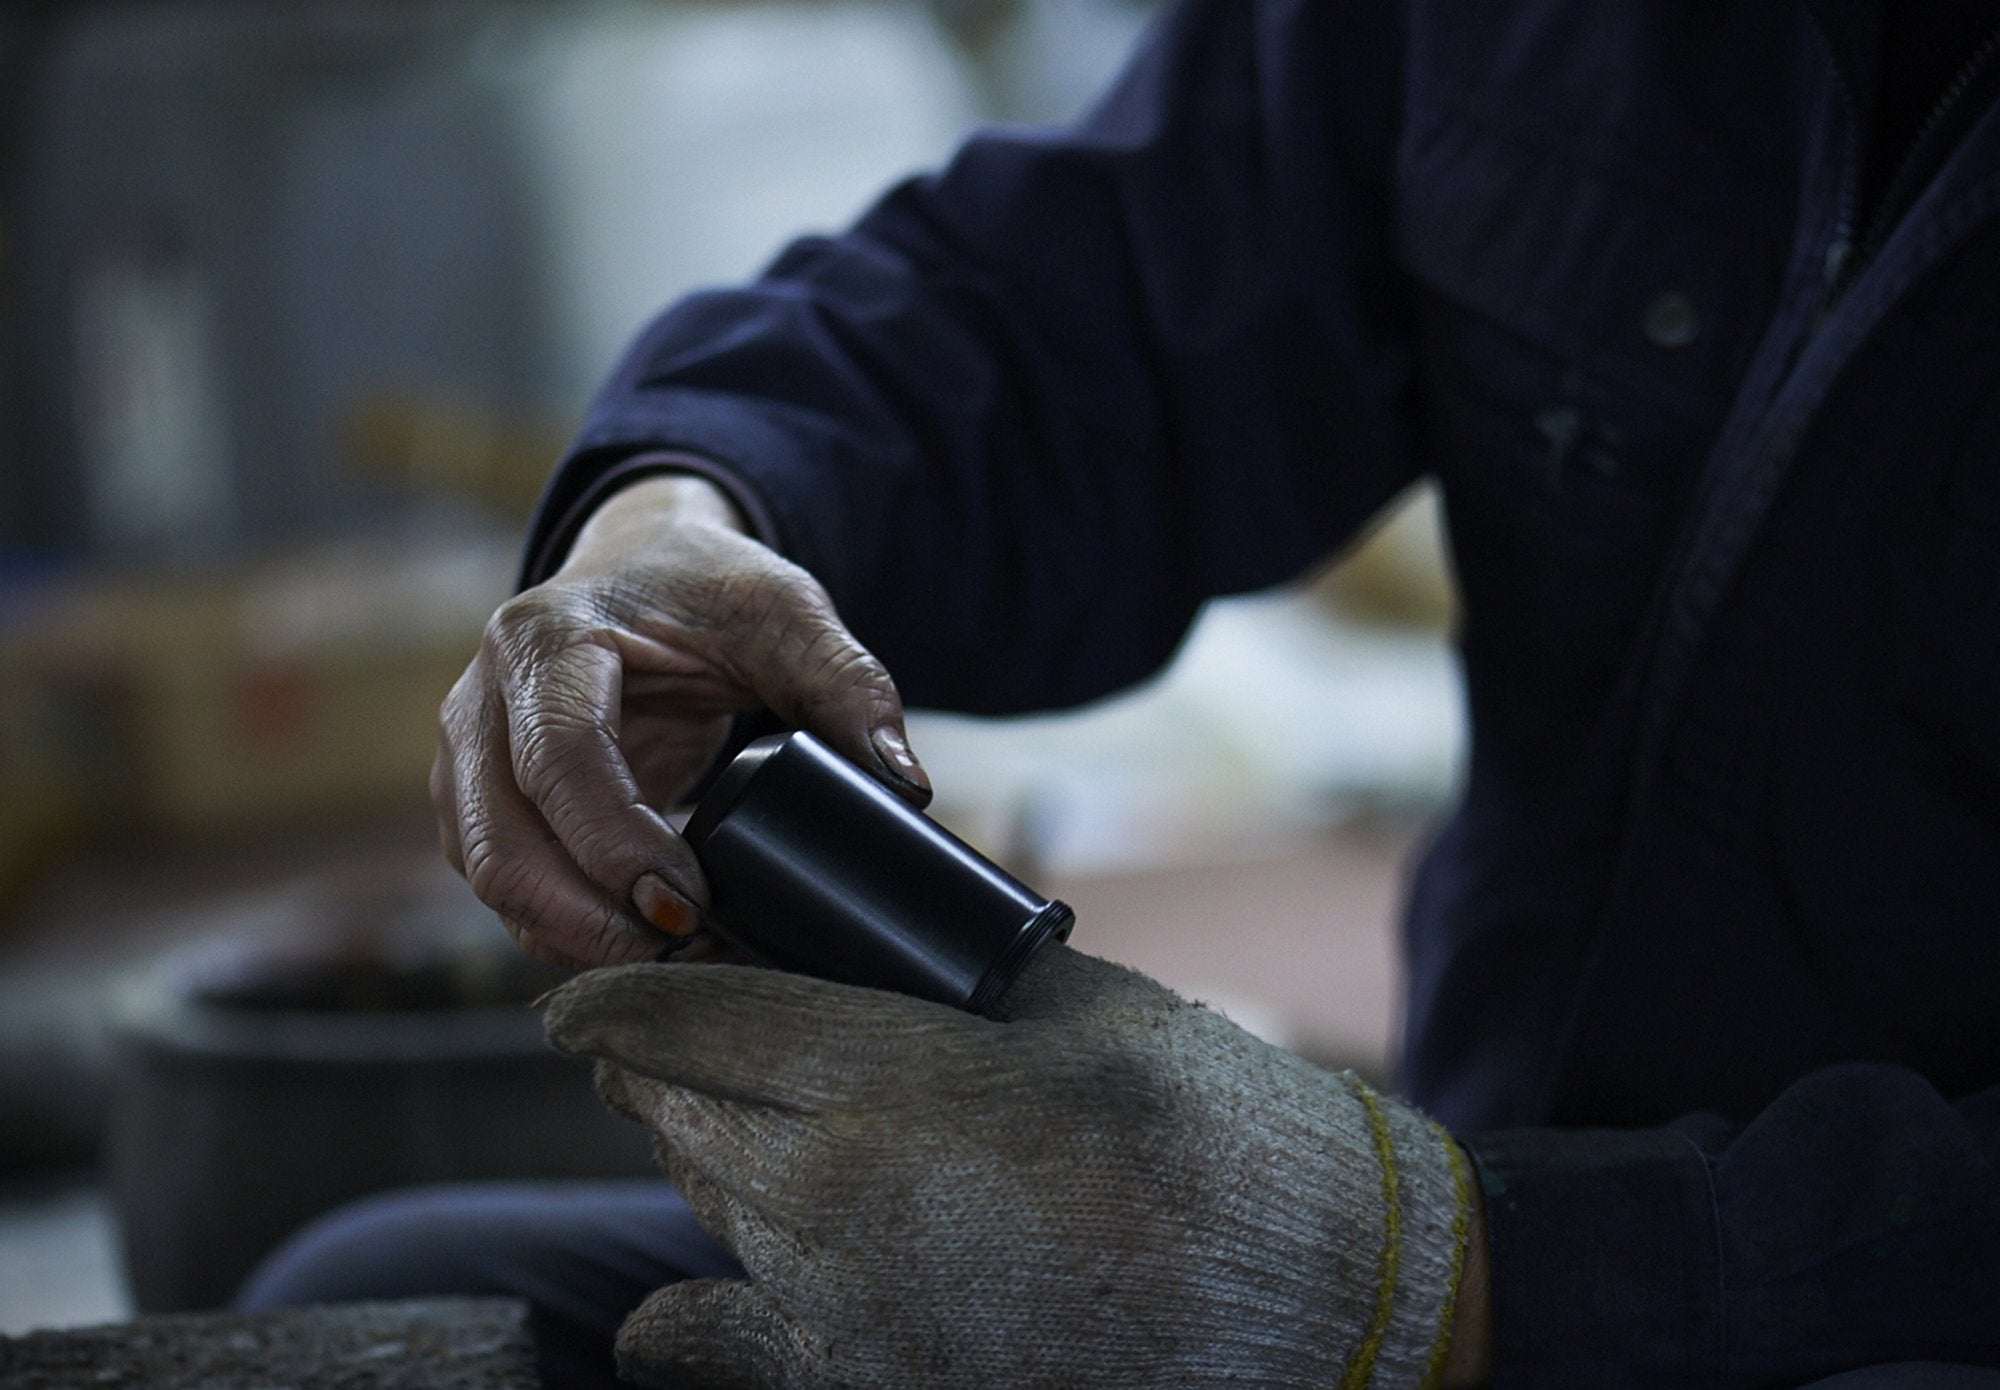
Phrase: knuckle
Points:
(608, 856)
(501, 879)
(525, 612)
(849, 667)
(537, 624)
(459, 713)
(525, 884)
(526, 889)
(573, 771)
(837, 675)
(463, 695)
(552, 749)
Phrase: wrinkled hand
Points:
(1105, 1186)
(605, 692)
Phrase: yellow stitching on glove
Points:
(1362, 1367)
(1461, 1232)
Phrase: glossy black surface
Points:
(815, 867)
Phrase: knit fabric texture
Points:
(1103, 1185)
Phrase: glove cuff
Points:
(1426, 1195)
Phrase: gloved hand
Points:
(605, 692)
(1105, 1186)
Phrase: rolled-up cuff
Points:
(1604, 1258)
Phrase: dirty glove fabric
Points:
(1106, 1186)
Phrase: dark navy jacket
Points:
(1707, 964)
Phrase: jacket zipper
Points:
(1840, 246)
(1850, 248)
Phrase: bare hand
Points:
(602, 694)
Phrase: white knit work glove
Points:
(1108, 1187)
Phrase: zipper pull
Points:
(1562, 428)
(1836, 272)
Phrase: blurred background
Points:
(297, 306)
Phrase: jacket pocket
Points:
(1660, 306)
(1580, 345)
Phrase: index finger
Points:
(562, 710)
(563, 741)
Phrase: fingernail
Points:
(894, 750)
(664, 908)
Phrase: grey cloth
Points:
(1106, 1186)
(1912, 1375)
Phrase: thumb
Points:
(1061, 983)
(720, 1333)
(740, 1033)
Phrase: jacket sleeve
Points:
(1031, 411)
(1855, 1222)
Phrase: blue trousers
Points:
(584, 1254)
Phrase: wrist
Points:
(632, 518)
(1401, 1325)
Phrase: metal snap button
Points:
(1670, 320)
(1562, 427)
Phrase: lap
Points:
(582, 1254)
